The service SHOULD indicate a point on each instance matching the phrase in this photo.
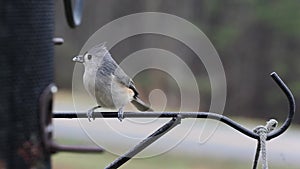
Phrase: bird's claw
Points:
(90, 114)
(120, 114)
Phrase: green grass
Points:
(165, 161)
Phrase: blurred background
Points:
(252, 38)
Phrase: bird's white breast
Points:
(89, 78)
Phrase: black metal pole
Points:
(75, 149)
(145, 143)
(26, 68)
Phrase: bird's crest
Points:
(100, 48)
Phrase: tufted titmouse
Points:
(105, 81)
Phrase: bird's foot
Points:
(121, 114)
(90, 113)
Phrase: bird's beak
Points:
(78, 58)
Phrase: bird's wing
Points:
(112, 68)
(120, 75)
(125, 80)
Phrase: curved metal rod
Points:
(208, 115)
(73, 12)
(292, 107)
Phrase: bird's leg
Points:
(91, 112)
(120, 114)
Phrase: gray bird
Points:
(105, 81)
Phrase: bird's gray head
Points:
(92, 56)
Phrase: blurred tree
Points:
(253, 38)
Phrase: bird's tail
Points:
(140, 105)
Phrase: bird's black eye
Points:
(89, 57)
